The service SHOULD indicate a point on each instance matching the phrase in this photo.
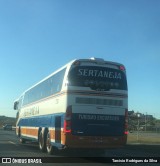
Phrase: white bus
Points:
(82, 105)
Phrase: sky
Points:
(39, 36)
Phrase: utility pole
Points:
(146, 121)
(138, 116)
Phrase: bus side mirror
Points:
(15, 105)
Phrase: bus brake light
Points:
(67, 126)
(126, 132)
(122, 68)
(67, 120)
(126, 122)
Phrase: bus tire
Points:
(42, 144)
(22, 140)
(49, 147)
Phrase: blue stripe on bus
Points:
(82, 124)
(40, 121)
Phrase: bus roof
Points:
(99, 61)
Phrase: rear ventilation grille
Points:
(111, 102)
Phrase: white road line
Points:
(12, 143)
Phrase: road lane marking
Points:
(13, 143)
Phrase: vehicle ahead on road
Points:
(83, 105)
(7, 127)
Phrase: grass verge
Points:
(148, 138)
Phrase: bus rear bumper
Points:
(93, 142)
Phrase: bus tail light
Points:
(67, 120)
(77, 63)
(122, 68)
(126, 122)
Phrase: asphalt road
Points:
(10, 147)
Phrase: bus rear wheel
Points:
(22, 140)
(42, 145)
(49, 146)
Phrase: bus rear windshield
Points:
(97, 78)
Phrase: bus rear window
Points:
(97, 78)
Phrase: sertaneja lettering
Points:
(99, 73)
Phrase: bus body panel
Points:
(96, 142)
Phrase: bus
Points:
(82, 105)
